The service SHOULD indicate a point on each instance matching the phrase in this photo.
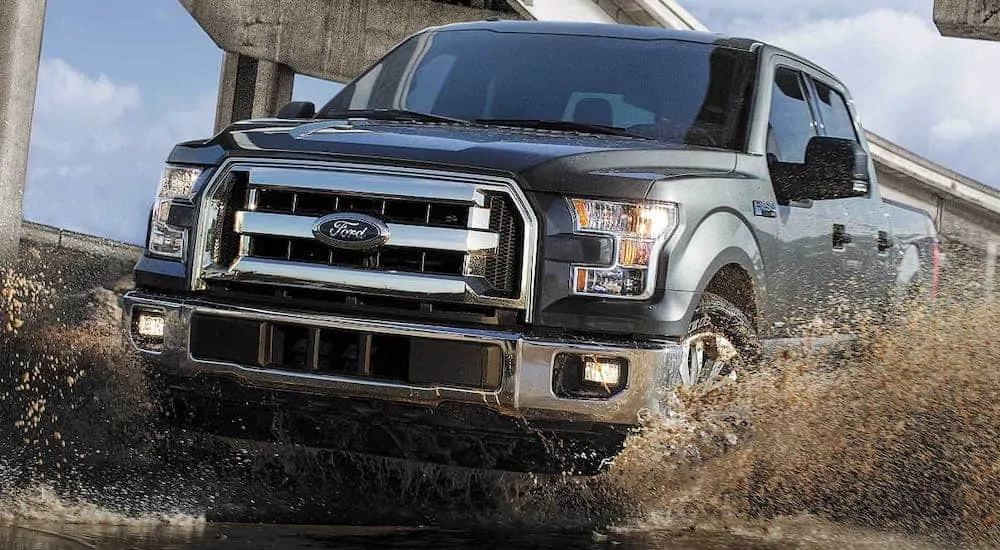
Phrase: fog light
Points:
(601, 371)
(579, 375)
(148, 327)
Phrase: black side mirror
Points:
(835, 168)
(298, 109)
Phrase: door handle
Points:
(840, 237)
(884, 243)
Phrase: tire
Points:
(728, 342)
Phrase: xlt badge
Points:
(765, 209)
(351, 231)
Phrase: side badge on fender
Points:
(765, 209)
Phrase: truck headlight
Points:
(639, 231)
(176, 184)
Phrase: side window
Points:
(833, 110)
(790, 126)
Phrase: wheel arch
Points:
(733, 283)
(722, 256)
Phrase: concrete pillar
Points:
(273, 89)
(237, 82)
(251, 88)
(979, 19)
(21, 23)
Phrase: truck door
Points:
(812, 239)
(867, 266)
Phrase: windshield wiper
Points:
(393, 114)
(566, 125)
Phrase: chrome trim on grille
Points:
(369, 181)
(407, 236)
(364, 184)
(319, 277)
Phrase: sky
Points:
(121, 81)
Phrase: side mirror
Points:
(298, 109)
(835, 168)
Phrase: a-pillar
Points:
(21, 23)
(251, 88)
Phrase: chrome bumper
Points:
(525, 391)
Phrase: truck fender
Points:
(722, 238)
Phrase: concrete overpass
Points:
(977, 19)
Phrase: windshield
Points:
(661, 89)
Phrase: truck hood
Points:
(542, 160)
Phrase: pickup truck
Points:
(506, 242)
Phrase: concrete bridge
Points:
(266, 43)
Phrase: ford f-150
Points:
(503, 243)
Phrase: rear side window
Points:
(833, 110)
(791, 123)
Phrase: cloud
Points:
(97, 150)
(933, 95)
(193, 119)
(63, 90)
(954, 129)
(73, 111)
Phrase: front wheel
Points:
(720, 340)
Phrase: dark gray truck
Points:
(505, 242)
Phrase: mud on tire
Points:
(716, 315)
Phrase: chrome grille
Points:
(400, 211)
(453, 238)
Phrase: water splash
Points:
(42, 504)
(899, 436)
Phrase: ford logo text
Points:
(351, 231)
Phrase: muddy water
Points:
(230, 536)
(54, 523)
(893, 446)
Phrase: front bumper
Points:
(525, 391)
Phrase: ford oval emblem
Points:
(351, 231)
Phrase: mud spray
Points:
(899, 437)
